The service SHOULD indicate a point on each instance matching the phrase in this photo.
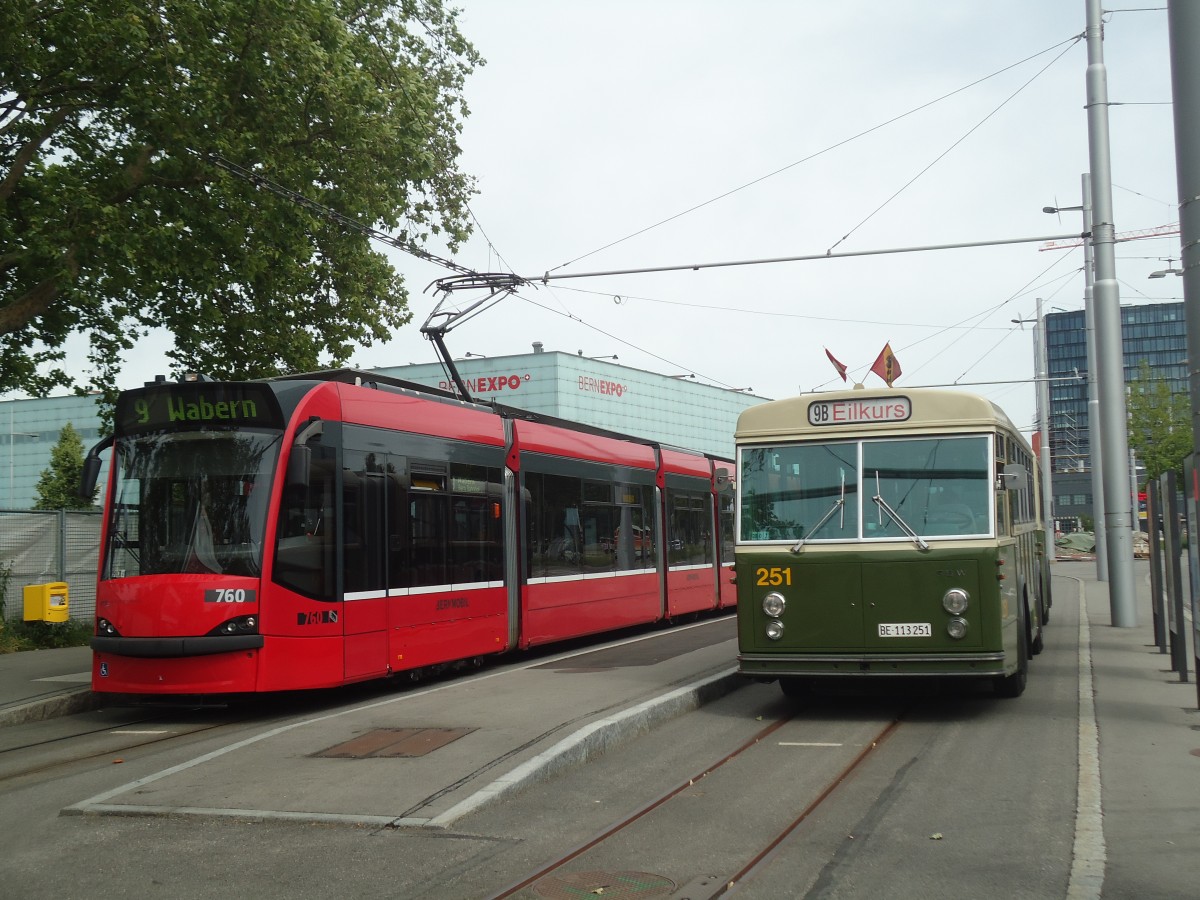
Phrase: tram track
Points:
(30, 759)
(711, 886)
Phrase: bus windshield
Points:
(863, 490)
(190, 502)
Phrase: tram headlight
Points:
(775, 629)
(956, 601)
(774, 604)
(105, 627)
(239, 625)
(957, 628)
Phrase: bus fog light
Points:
(775, 630)
(957, 628)
(774, 604)
(956, 601)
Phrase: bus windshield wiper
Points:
(838, 504)
(904, 526)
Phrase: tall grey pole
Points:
(1110, 361)
(1043, 406)
(1183, 17)
(1095, 450)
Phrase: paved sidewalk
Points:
(42, 684)
(1149, 747)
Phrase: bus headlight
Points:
(774, 604)
(956, 601)
(775, 629)
(957, 628)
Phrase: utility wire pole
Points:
(1114, 437)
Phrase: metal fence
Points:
(39, 546)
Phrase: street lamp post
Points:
(1042, 386)
(1095, 445)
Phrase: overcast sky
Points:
(616, 135)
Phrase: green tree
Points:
(118, 214)
(58, 485)
(1159, 423)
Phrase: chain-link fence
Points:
(38, 546)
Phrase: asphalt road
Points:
(896, 792)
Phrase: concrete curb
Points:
(66, 703)
(589, 741)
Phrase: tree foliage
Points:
(1160, 430)
(57, 487)
(114, 218)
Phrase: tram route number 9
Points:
(773, 576)
(229, 595)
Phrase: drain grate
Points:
(395, 742)
(573, 885)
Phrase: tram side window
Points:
(576, 525)
(363, 508)
(726, 515)
(305, 551)
(689, 527)
(428, 515)
(554, 530)
(476, 524)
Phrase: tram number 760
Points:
(773, 576)
(229, 595)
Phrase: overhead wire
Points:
(1070, 41)
(949, 149)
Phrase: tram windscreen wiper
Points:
(895, 517)
(838, 504)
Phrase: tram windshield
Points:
(863, 490)
(190, 501)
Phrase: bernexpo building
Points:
(675, 410)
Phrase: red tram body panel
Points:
(312, 532)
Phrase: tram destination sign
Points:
(868, 411)
(195, 405)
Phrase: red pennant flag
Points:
(841, 369)
(887, 366)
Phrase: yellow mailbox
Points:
(46, 602)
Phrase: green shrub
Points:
(44, 635)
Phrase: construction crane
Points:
(1160, 231)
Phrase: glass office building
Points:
(1154, 333)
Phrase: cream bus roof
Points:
(864, 411)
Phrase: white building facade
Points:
(674, 410)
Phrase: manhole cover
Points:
(573, 885)
(395, 742)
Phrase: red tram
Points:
(315, 531)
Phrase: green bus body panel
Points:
(836, 602)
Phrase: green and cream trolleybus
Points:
(887, 533)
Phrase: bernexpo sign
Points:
(490, 384)
(602, 386)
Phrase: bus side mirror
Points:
(90, 473)
(1012, 477)
(299, 467)
(88, 477)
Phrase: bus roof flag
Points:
(887, 366)
(841, 368)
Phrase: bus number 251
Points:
(774, 576)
